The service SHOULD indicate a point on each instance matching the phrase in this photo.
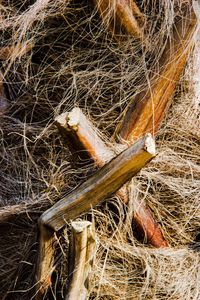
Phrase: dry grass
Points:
(76, 62)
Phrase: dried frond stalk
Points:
(101, 185)
(148, 108)
(75, 126)
(82, 251)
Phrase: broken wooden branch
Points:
(122, 14)
(82, 251)
(75, 126)
(45, 262)
(101, 185)
(148, 108)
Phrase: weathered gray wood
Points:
(82, 252)
(104, 183)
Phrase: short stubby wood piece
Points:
(82, 252)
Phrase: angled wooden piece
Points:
(82, 251)
(75, 126)
(147, 110)
(104, 183)
(101, 185)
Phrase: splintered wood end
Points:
(77, 129)
(150, 144)
(82, 250)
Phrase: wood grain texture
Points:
(147, 110)
(83, 133)
(76, 128)
(101, 185)
(82, 251)
(45, 262)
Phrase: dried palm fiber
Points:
(76, 62)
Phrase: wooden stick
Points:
(140, 17)
(148, 108)
(122, 13)
(101, 185)
(75, 126)
(82, 252)
(45, 261)
(7, 213)
(127, 19)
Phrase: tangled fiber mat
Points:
(63, 56)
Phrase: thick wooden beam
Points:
(75, 127)
(82, 251)
(101, 185)
(147, 110)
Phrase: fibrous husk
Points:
(75, 61)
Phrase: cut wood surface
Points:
(147, 110)
(82, 251)
(45, 261)
(76, 126)
(101, 185)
